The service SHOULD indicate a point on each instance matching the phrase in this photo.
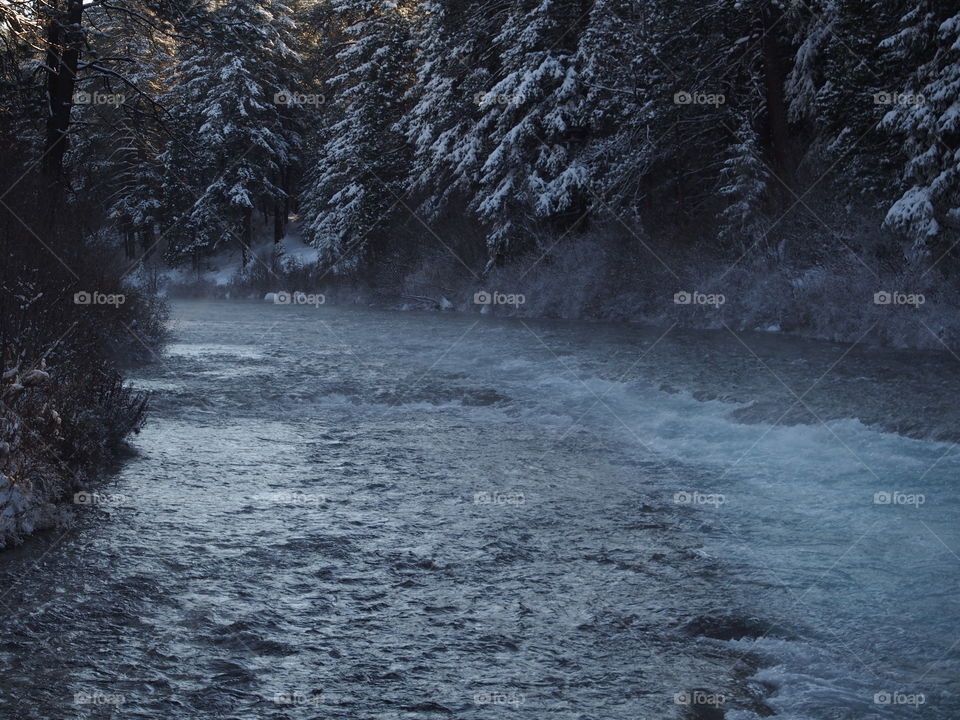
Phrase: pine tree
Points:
(228, 98)
(925, 120)
(837, 77)
(356, 179)
(746, 190)
(454, 65)
(532, 119)
(623, 82)
(119, 145)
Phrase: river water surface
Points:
(345, 513)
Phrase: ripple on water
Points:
(392, 532)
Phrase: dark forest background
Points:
(785, 153)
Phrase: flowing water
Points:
(345, 513)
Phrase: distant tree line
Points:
(714, 124)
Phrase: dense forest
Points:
(773, 165)
(657, 139)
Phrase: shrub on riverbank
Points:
(68, 321)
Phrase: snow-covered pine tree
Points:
(532, 119)
(454, 65)
(925, 121)
(354, 179)
(115, 157)
(745, 190)
(623, 84)
(232, 142)
(835, 89)
(706, 96)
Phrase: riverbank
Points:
(65, 410)
(841, 299)
(61, 430)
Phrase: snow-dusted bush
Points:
(67, 322)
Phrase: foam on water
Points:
(839, 534)
(196, 350)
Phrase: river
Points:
(352, 513)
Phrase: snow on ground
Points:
(295, 249)
(223, 267)
(23, 509)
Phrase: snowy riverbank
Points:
(841, 301)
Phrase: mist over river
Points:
(348, 513)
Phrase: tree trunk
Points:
(148, 241)
(128, 243)
(288, 205)
(678, 175)
(246, 238)
(278, 221)
(64, 40)
(778, 132)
